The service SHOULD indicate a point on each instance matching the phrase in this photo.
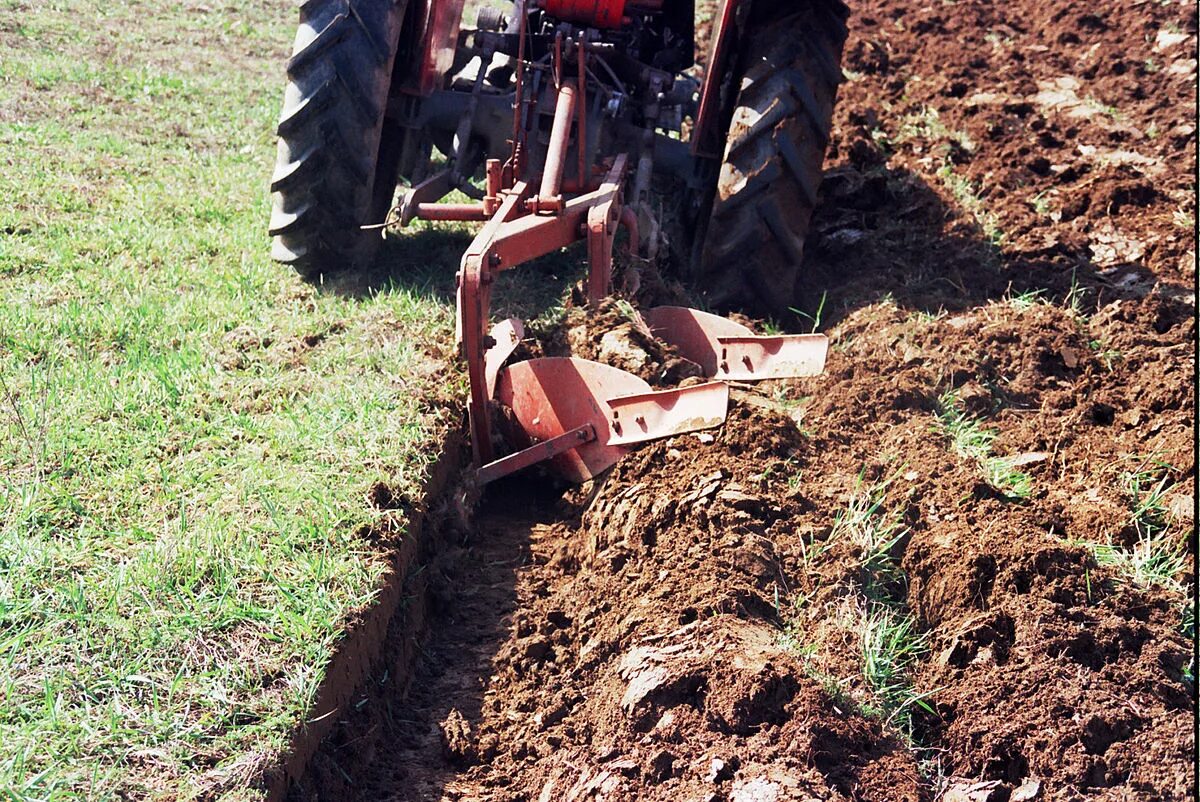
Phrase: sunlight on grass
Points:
(187, 432)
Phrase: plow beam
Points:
(727, 350)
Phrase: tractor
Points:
(556, 119)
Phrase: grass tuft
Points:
(891, 646)
(871, 527)
(970, 439)
(1023, 302)
(1159, 555)
(967, 196)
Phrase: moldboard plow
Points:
(554, 120)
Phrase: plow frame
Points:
(581, 415)
(510, 239)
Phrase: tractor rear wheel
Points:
(338, 157)
(786, 79)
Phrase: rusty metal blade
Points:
(554, 396)
(547, 449)
(693, 333)
(727, 350)
(650, 416)
(779, 357)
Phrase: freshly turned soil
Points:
(626, 640)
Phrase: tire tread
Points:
(772, 167)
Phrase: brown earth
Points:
(1008, 214)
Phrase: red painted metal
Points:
(597, 13)
(451, 211)
(442, 22)
(474, 301)
(531, 456)
(558, 394)
(553, 395)
(494, 183)
(629, 219)
(556, 150)
(602, 230)
(506, 241)
(649, 416)
(727, 350)
(581, 123)
(707, 137)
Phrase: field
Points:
(959, 565)
(188, 434)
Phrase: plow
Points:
(555, 118)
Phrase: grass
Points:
(966, 195)
(1024, 301)
(871, 527)
(815, 317)
(891, 647)
(187, 432)
(1151, 561)
(1159, 554)
(927, 125)
(970, 439)
(889, 642)
(1109, 356)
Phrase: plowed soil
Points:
(1008, 215)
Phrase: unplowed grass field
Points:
(187, 432)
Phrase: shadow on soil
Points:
(408, 733)
(884, 234)
(424, 261)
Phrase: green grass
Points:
(892, 645)
(1159, 555)
(967, 196)
(871, 527)
(187, 432)
(1024, 301)
(970, 439)
(927, 126)
(874, 614)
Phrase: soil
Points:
(1008, 214)
(613, 333)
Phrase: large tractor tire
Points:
(785, 78)
(338, 155)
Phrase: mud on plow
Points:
(579, 168)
